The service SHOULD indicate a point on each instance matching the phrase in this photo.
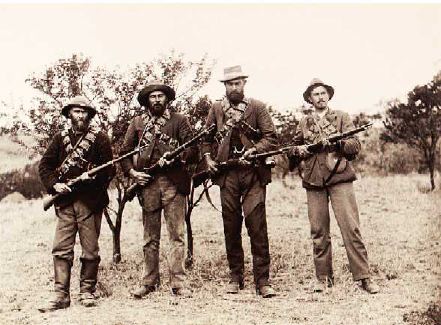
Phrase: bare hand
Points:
(300, 151)
(244, 162)
(250, 152)
(85, 177)
(163, 160)
(325, 143)
(211, 165)
(140, 178)
(62, 188)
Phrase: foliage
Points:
(113, 92)
(417, 123)
(285, 124)
(384, 158)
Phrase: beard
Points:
(235, 97)
(157, 109)
(80, 125)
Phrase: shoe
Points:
(233, 287)
(143, 291)
(370, 286)
(58, 302)
(182, 292)
(266, 291)
(87, 299)
(319, 285)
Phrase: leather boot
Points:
(61, 298)
(88, 280)
(233, 287)
(266, 291)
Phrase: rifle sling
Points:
(334, 170)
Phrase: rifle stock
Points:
(50, 200)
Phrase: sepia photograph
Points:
(211, 163)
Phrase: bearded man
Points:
(79, 209)
(244, 127)
(162, 130)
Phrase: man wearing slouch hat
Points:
(328, 176)
(162, 130)
(243, 128)
(69, 155)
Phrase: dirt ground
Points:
(400, 225)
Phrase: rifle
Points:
(260, 158)
(317, 147)
(202, 176)
(50, 200)
(152, 170)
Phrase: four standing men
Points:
(328, 175)
(79, 209)
(243, 128)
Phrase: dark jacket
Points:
(178, 128)
(257, 116)
(316, 174)
(93, 193)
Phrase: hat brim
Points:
(308, 90)
(233, 78)
(143, 96)
(65, 110)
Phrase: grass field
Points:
(400, 225)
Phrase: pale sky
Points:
(367, 52)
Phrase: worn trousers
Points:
(242, 190)
(73, 218)
(161, 194)
(345, 209)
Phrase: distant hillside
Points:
(13, 155)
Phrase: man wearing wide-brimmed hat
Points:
(70, 154)
(244, 127)
(328, 175)
(162, 130)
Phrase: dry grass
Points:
(401, 227)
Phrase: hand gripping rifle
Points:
(152, 170)
(50, 200)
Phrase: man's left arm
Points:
(266, 126)
(350, 146)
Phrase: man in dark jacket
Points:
(328, 175)
(69, 155)
(244, 127)
(162, 130)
